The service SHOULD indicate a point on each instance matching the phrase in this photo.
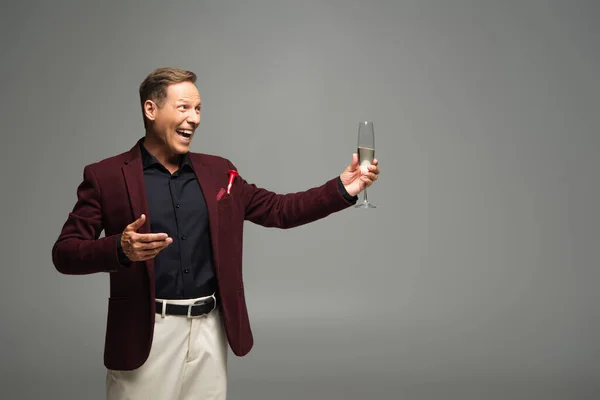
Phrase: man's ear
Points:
(150, 109)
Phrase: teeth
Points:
(187, 134)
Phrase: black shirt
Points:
(176, 206)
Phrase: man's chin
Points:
(182, 148)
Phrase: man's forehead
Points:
(184, 91)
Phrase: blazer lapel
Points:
(134, 179)
(208, 185)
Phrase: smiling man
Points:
(173, 247)
(171, 114)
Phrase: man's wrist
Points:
(345, 193)
(123, 259)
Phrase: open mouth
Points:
(184, 133)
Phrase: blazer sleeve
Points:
(269, 209)
(78, 249)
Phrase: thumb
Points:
(354, 164)
(137, 224)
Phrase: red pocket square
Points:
(221, 193)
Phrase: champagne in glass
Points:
(366, 154)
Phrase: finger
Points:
(147, 254)
(374, 168)
(161, 244)
(154, 245)
(137, 224)
(354, 164)
(144, 254)
(149, 246)
(150, 237)
(375, 162)
(372, 175)
(150, 253)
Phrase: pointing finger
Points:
(151, 237)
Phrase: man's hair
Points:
(154, 87)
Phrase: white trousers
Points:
(188, 360)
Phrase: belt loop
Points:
(164, 307)
(214, 296)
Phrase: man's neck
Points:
(157, 149)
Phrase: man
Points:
(173, 223)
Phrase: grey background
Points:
(475, 278)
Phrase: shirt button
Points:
(186, 270)
(183, 238)
(177, 206)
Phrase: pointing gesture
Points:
(142, 246)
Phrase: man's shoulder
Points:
(210, 159)
(109, 167)
(112, 161)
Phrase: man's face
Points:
(177, 119)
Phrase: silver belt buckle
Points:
(200, 302)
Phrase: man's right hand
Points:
(142, 246)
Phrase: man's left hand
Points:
(355, 179)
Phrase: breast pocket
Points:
(225, 202)
(231, 219)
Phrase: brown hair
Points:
(154, 87)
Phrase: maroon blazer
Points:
(112, 195)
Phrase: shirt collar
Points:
(148, 159)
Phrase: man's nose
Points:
(194, 117)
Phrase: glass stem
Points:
(366, 201)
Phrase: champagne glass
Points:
(366, 153)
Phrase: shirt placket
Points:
(174, 187)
